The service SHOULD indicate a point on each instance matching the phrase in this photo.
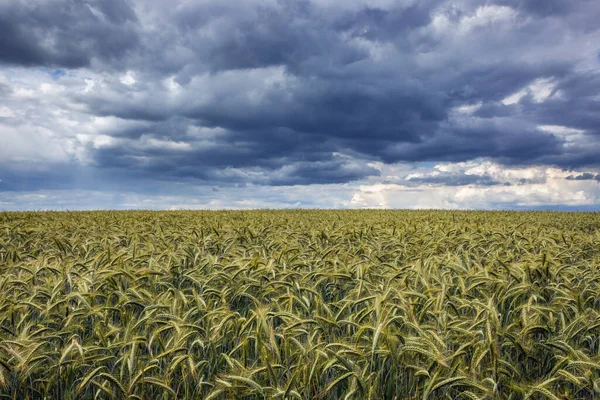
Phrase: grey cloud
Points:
(323, 172)
(377, 24)
(291, 85)
(586, 176)
(493, 82)
(229, 163)
(508, 144)
(454, 180)
(5, 90)
(549, 8)
(65, 33)
(579, 95)
(541, 7)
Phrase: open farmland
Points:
(300, 304)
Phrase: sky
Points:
(211, 104)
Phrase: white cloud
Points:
(537, 186)
(111, 125)
(514, 98)
(501, 173)
(31, 144)
(484, 16)
(171, 84)
(41, 121)
(487, 15)
(6, 112)
(561, 130)
(552, 192)
(468, 108)
(128, 78)
(539, 89)
(160, 144)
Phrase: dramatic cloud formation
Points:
(320, 103)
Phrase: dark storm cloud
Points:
(65, 33)
(579, 96)
(335, 170)
(226, 36)
(231, 162)
(303, 92)
(343, 111)
(493, 82)
(374, 23)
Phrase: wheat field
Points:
(299, 305)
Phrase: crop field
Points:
(300, 305)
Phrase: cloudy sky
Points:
(299, 103)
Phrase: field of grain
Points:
(300, 305)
